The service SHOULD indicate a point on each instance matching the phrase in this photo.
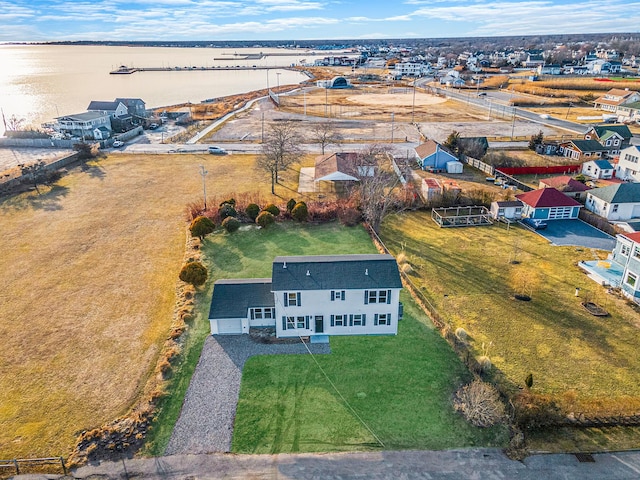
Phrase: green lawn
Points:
(400, 386)
(587, 363)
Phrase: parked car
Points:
(535, 223)
(118, 144)
(153, 126)
(544, 116)
(217, 151)
(482, 94)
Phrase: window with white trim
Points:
(292, 299)
(338, 320)
(632, 280)
(624, 250)
(358, 320)
(636, 251)
(292, 323)
(260, 313)
(377, 296)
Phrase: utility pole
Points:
(262, 127)
(278, 76)
(392, 116)
(203, 172)
(413, 104)
(513, 122)
(326, 95)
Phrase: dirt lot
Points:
(369, 114)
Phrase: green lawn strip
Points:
(466, 273)
(400, 386)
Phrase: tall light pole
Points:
(568, 110)
(262, 127)
(278, 76)
(392, 115)
(513, 122)
(203, 172)
(326, 96)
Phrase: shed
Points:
(454, 167)
(510, 210)
(430, 189)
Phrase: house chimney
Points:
(308, 273)
(284, 264)
(366, 271)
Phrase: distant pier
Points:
(124, 70)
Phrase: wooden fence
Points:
(16, 464)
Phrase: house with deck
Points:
(313, 296)
(87, 125)
(615, 98)
(621, 269)
(548, 204)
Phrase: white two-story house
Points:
(628, 167)
(627, 254)
(313, 296)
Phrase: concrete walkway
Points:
(485, 464)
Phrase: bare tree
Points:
(14, 123)
(378, 190)
(34, 174)
(325, 134)
(280, 149)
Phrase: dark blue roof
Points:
(332, 272)
(232, 298)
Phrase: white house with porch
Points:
(313, 296)
(93, 125)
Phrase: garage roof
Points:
(232, 298)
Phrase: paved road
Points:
(481, 464)
(495, 101)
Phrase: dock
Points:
(124, 70)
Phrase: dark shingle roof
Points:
(618, 193)
(103, 106)
(603, 164)
(232, 298)
(588, 145)
(621, 130)
(335, 272)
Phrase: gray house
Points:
(313, 296)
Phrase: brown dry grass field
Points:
(373, 103)
(89, 269)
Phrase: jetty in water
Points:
(124, 70)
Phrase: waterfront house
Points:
(85, 125)
(628, 167)
(313, 296)
(620, 201)
(548, 204)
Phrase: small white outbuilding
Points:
(454, 167)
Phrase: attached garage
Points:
(237, 305)
(227, 326)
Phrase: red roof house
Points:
(549, 204)
(567, 185)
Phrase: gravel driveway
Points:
(206, 421)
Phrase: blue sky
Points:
(45, 20)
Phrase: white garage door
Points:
(636, 212)
(230, 326)
(556, 213)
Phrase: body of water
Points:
(41, 82)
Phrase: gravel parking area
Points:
(206, 421)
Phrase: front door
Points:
(319, 324)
